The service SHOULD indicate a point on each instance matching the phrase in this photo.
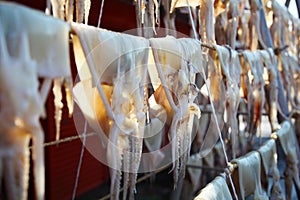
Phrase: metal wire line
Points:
(67, 139)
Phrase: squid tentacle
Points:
(58, 104)
(38, 161)
(115, 161)
(126, 168)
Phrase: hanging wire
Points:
(67, 139)
(192, 20)
(100, 15)
(80, 160)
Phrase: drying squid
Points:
(58, 7)
(231, 69)
(246, 92)
(148, 16)
(248, 176)
(58, 104)
(255, 32)
(257, 84)
(58, 83)
(59, 12)
(288, 70)
(276, 26)
(37, 48)
(295, 72)
(127, 129)
(68, 84)
(140, 12)
(215, 91)
(232, 26)
(220, 7)
(244, 25)
(268, 156)
(220, 28)
(182, 3)
(220, 188)
(63, 10)
(80, 10)
(287, 141)
(119, 75)
(206, 21)
(272, 87)
(293, 36)
(286, 33)
(178, 78)
(87, 6)
(21, 109)
(227, 15)
(184, 128)
(283, 28)
(69, 10)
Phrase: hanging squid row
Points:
(230, 76)
(118, 70)
(178, 96)
(233, 22)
